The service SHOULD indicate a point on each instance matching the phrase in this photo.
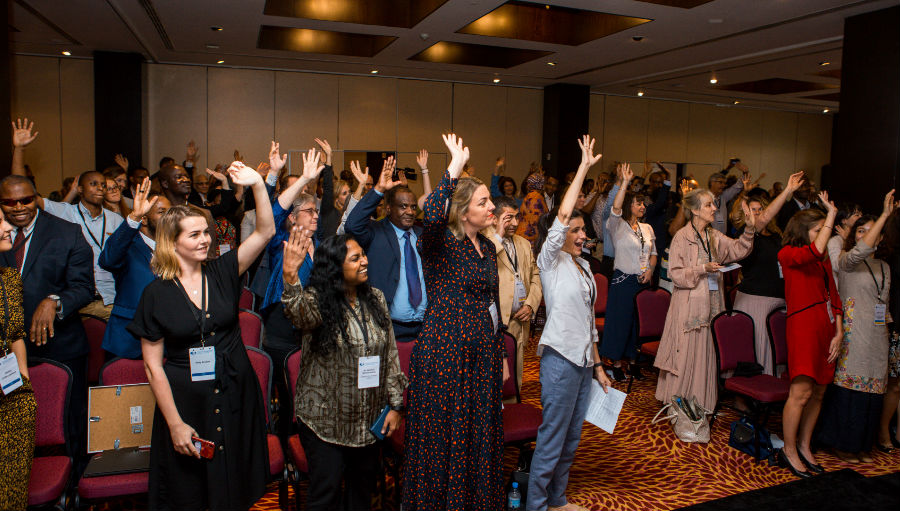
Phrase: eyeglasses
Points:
(310, 211)
(11, 203)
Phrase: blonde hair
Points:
(165, 263)
(739, 221)
(459, 204)
(694, 200)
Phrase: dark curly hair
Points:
(327, 279)
(546, 221)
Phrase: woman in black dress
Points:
(206, 388)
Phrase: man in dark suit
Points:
(390, 244)
(127, 256)
(57, 268)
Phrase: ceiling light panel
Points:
(321, 41)
(446, 52)
(387, 13)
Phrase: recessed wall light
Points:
(220, 62)
(825, 111)
(551, 63)
(713, 80)
(640, 93)
(216, 28)
(374, 71)
(496, 80)
(66, 53)
(824, 63)
(736, 102)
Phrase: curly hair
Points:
(327, 279)
(546, 221)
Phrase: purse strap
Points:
(657, 418)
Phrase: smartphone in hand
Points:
(206, 448)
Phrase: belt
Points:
(407, 324)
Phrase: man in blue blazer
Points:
(57, 268)
(390, 245)
(127, 254)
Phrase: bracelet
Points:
(424, 171)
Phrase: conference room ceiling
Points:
(783, 54)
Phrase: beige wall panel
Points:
(425, 111)
(306, 107)
(667, 131)
(524, 131)
(35, 94)
(706, 134)
(744, 137)
(367, 113)
(479, 117)
(595, 122)
(77, 116)
(779, 146)
(241, 114)
(176, 112)
(624, 130)
(813, 144)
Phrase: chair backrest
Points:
(262, 366)
(123, 371)
(776, 324)
(733, 338)
(251, 328)
(511, 387)
(52, 384)
(94, 328)
(247, 300)
(730, 297)
(652, 305)
(602, 284)
(292, 371)
(404, 352)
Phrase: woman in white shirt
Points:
(567, 348)
(633, 269)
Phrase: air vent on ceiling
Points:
(157, 23)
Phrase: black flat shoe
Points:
(885, 448)
(618, 374)
(784, 463)
(815, 469)
(635, 372)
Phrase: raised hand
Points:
(22, 135)
(794, 182)
(624, 169)
(240, 174)
(586, 143)
(459, 154)
(499, 165)
(276, 160)
(889, 204)
(141, 205)
(684, 186)
(311, 166)
(218, 175)
(747, 180)
(296, 249)
(121, 161)
(386, 179)
(192, 150)
(422, 159)
(829, 205)
(358, 174)
(749, 216)
(237, 156)
(326, 148)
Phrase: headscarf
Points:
(535, 182)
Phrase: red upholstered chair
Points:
(262, 366)
(652, 306)
(50, 475)
(602, 284)
(118, 371)
(294, 447)
(776, 324)
(94, 327)
(251, 328)
(733, 338)
(520, 420)
(247, 301)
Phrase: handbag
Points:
(521, 474)
(744, 437)
(689, 420)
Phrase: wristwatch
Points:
(58, 301)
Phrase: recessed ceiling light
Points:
(212, 46)
(374, 71)
(551, 63)
(825, 111)
(713, 80)
(220, 62)
(216, 28)
(497, 80)
(640, 93)
(824, 63)
(736, 102)
(66, 53)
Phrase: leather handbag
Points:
(689, 420)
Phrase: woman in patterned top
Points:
(17, 408)
(454, 433)
(335, 401)
(532, 207)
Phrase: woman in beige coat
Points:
(686, 358)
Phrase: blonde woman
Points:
(454, 434)
(686, 358)
(206, 388)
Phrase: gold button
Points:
(219, 428)
(221, 447)
(217, 410)
(212, 334)
(216, 391)
(207, 315)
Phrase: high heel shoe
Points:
(784, 463)
(618, 374)
(814, 468)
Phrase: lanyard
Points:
(640, 235)
(201, 317)
(514, 261)
(6, 319)
(706, 248)
(877, 287)
(362, 323)
(90, 233)
(588, 279)
(827, 284)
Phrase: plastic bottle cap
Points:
(515, 485)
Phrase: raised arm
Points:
(22, 136)
(115, 251)
(586, 143)
(871, 237)
(311, 171)
(250, 249)
(624, 170)
(422, 162)
(360, 177)
(775, 206)
(821, 241)
(437, 204)
(299, 306)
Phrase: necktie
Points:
(18, 248)
(413, 284)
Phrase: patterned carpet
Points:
(644, 467)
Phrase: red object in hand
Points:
(206, 447)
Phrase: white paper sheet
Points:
(732, 266)
(604, 409)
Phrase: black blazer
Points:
(59, 262)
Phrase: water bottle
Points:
(515, 498)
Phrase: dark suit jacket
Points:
(59, 262)
(127, 257)
(379, 240)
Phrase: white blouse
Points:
(633, 248)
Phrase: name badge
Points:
(519, 296)
(368, 372)
(203, 363)
(830, 312)
(880, 314)
(713, 280)
(10, 377)
(494, 317)
(224, 248)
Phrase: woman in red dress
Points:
(814, 330)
